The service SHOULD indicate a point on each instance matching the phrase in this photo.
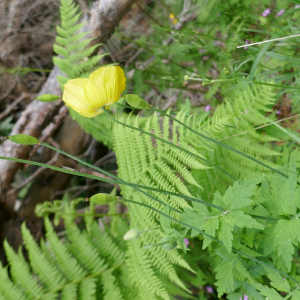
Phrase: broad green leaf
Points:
(136, 101)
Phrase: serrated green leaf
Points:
(285, 233)
(268, 292)
(194, 219)
(278, 282)
(236, 196)
(210, 228)
(225, 235)
(241, 220)
(224, 274)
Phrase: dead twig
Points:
(39, 170)
(9, 109)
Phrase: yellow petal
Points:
(74, 96)
(105, 86)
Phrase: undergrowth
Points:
(228, 198)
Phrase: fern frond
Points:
(69, 292)
(21, 274)
(106, 246)
(85, 253)
(152, 164)
(71, 46)
(243, 114)
(9, 291)
(110, 287)
(67, 265)
(47, 274)
(147, 282)
(87, 289)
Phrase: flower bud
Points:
(47, 98)
(186, 77)
(168, 246)
(136, 101)
(132, 234)
(102, 198)
(23, 139)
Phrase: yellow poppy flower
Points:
(103, 88)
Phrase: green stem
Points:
(217, 142)
(95, 215)
(159, 244)
(135, 186)
(151, 229)
(119, 181)
(171, 144)
(208, 81)
(214, 239)
(275, 85)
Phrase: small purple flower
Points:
(246, 111)
(280, 13)
(297, 6)
(207, 107)
(245, 297)
(266, 12)
(247, 42)
(210, 289)
(278, 112)
(186, 241)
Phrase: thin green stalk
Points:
(87, 175)
(275, 85)
(135, 186)
(159, 244)
(217, 142)
(151, 229)
(214, 239)
(171, 144)
(132, 185)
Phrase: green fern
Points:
(71, 45)
(236, 119)
(75, 60)
(160, 167)
(89, 265)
